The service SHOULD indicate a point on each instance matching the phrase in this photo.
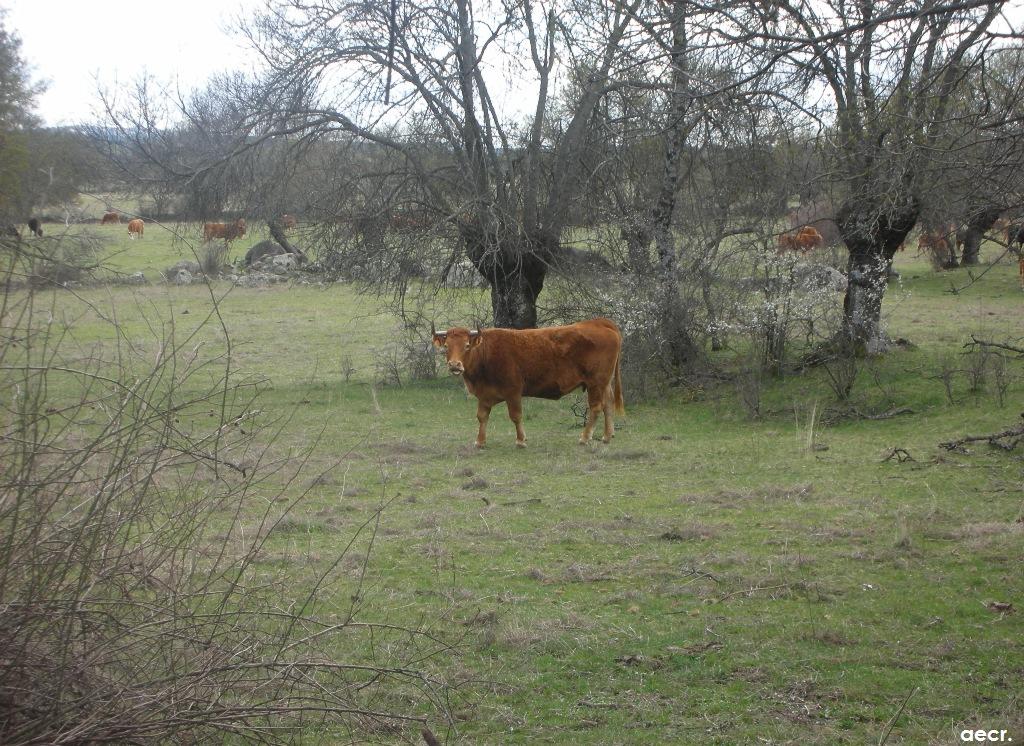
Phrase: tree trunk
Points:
(872, 235)
(514, 300)
(978, 223)
(515, 269)
(277, 233)
(683, 352)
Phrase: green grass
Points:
(704, 579)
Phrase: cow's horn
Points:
(474, 333)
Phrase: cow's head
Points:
(456, 342)
(240, 226)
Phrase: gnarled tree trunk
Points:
(973, 233)
(515, 267)
(872, 234)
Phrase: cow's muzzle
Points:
(456, 369)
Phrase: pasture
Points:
(705, 578)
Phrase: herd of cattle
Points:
(944, 242)
(211, 231)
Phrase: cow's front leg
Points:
(515, 413)
(483, 411)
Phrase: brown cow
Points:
(937, 244)
(288, 221)
(787, 242)
(803, 240)
(227, 231)
(135, 228)
(1001, 226)
(504, 365)
(809, 239)
(110, 217)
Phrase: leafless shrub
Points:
(133, 607)
(977, 369)
(841, 373)
(387, 366)
(749, 383)
(411, 356)
(213, 258)
(1002, 377)
(52, 261)
(947, 374)
(784, 306)
(347, 369)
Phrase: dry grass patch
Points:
(986, 534)
(521, 635)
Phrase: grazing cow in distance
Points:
(803, 240)
(1015, 235)
(110, 217)
(227, 231)
(937, 243)
(809, 238)
(1015, 243)
(288, 221)
(1001, 225)
(504, 365)
(819, 214)
(135, 228)
(35, 227)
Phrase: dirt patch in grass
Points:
(296, 526)
(630, 455)
(476, 483)
(991, 528)
(690, 532)
(827, 637)
(580, 573)
(804, 701)
(428, 521)
(535, 573)
(771, 493)
(984, 535)
(401, 451)
(329, 483)
(737, 498)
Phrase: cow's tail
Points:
(620, 406)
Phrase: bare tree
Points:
(888, 71)
(485, 106)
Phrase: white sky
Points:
(75, 43)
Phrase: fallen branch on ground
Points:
(1014, 434)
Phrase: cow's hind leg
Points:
(483, 411)
(515, 413)
(594, 406)
(609, 405)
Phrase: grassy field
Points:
(706, 578)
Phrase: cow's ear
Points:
(475, 338)
(440, 339)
